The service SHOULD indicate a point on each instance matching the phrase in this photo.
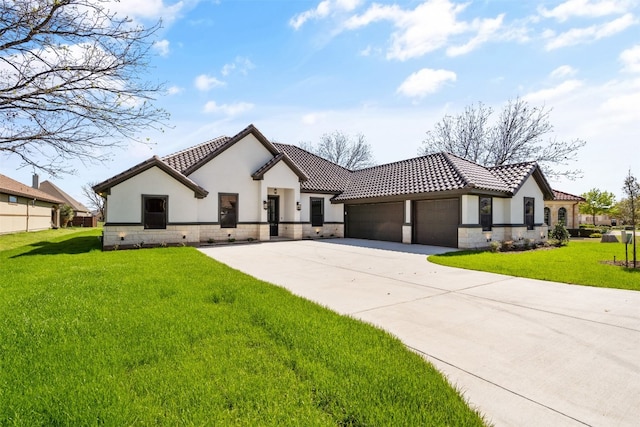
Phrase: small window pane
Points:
(155, 212)
(13, 199)
(317, 212)
(486, 217)
(562, 216)
(228, 210)
(529, 212)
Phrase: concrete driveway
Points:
(525, 352)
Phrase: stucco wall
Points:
(124, 204)
(529, 189)
(24, 215)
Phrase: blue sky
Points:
(388, 70)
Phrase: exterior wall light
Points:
(275, 191)
(121, 238)
(264, 205)
(298, 206)
(488, 237)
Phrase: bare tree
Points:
(95, 201)
(632, 189)
(70, 82)
(337, 147)
(464, 135)
(518, 135)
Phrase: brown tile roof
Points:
(428, 174)
(183, 160)
(155, 161)
(52, 189)
(15, 188)
(259, 174)
(188, 161)
(323, 175)
(561, 195)
(516, 174)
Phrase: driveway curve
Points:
(524, 352)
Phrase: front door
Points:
(273, 214)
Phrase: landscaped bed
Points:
(169, 336)
(582, 262)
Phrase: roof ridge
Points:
(464, 176)
(312, 154)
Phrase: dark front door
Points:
(273, 214)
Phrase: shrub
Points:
(560, 233)
(507, 245)
(596, 235)
(494, 247)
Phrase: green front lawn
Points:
(578, 263)
(169, 336)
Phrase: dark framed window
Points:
(529, 210)
(317, 212)
(562, 216)
(228, 210)
(547, 216)
(154, 212)
(13, 199)
(486, 213)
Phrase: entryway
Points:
(273, 214)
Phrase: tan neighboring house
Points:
(23, 208)
(564, 208)
(246, 187)
(82, 216)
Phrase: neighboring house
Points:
(23, 208)
(564, 208)
(602, 219)
(246, 187)
(82, 216)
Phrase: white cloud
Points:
(630, 58)
(559, 91)
(424, 82)
(595, 32)
(313, 118)
(324, 9)
(241, 64)
(563, 71)
(486, 28)
(585, 8)
(162, 46)
(204, 82)
(174, 90)
(228, 109)
(426, 28)
(148, 9)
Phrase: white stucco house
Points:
(246, 187)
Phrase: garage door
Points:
(377, 221)
(435, 222)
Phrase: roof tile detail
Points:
(15, 188)
(55, 191)
(561, 195)
(323, 175)
(185, 159)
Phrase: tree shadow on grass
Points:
(75, 245)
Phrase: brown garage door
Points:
(376, 221)
(435, 222)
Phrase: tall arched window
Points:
(547, 216)
(562, 216)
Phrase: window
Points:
(154, 212)
(486, 217)
(317, 212)
(529, 205)
(547, 216)
(228, 210)
(13, 199)
(562, 216)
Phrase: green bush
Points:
(559, 233)
(596, 235)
